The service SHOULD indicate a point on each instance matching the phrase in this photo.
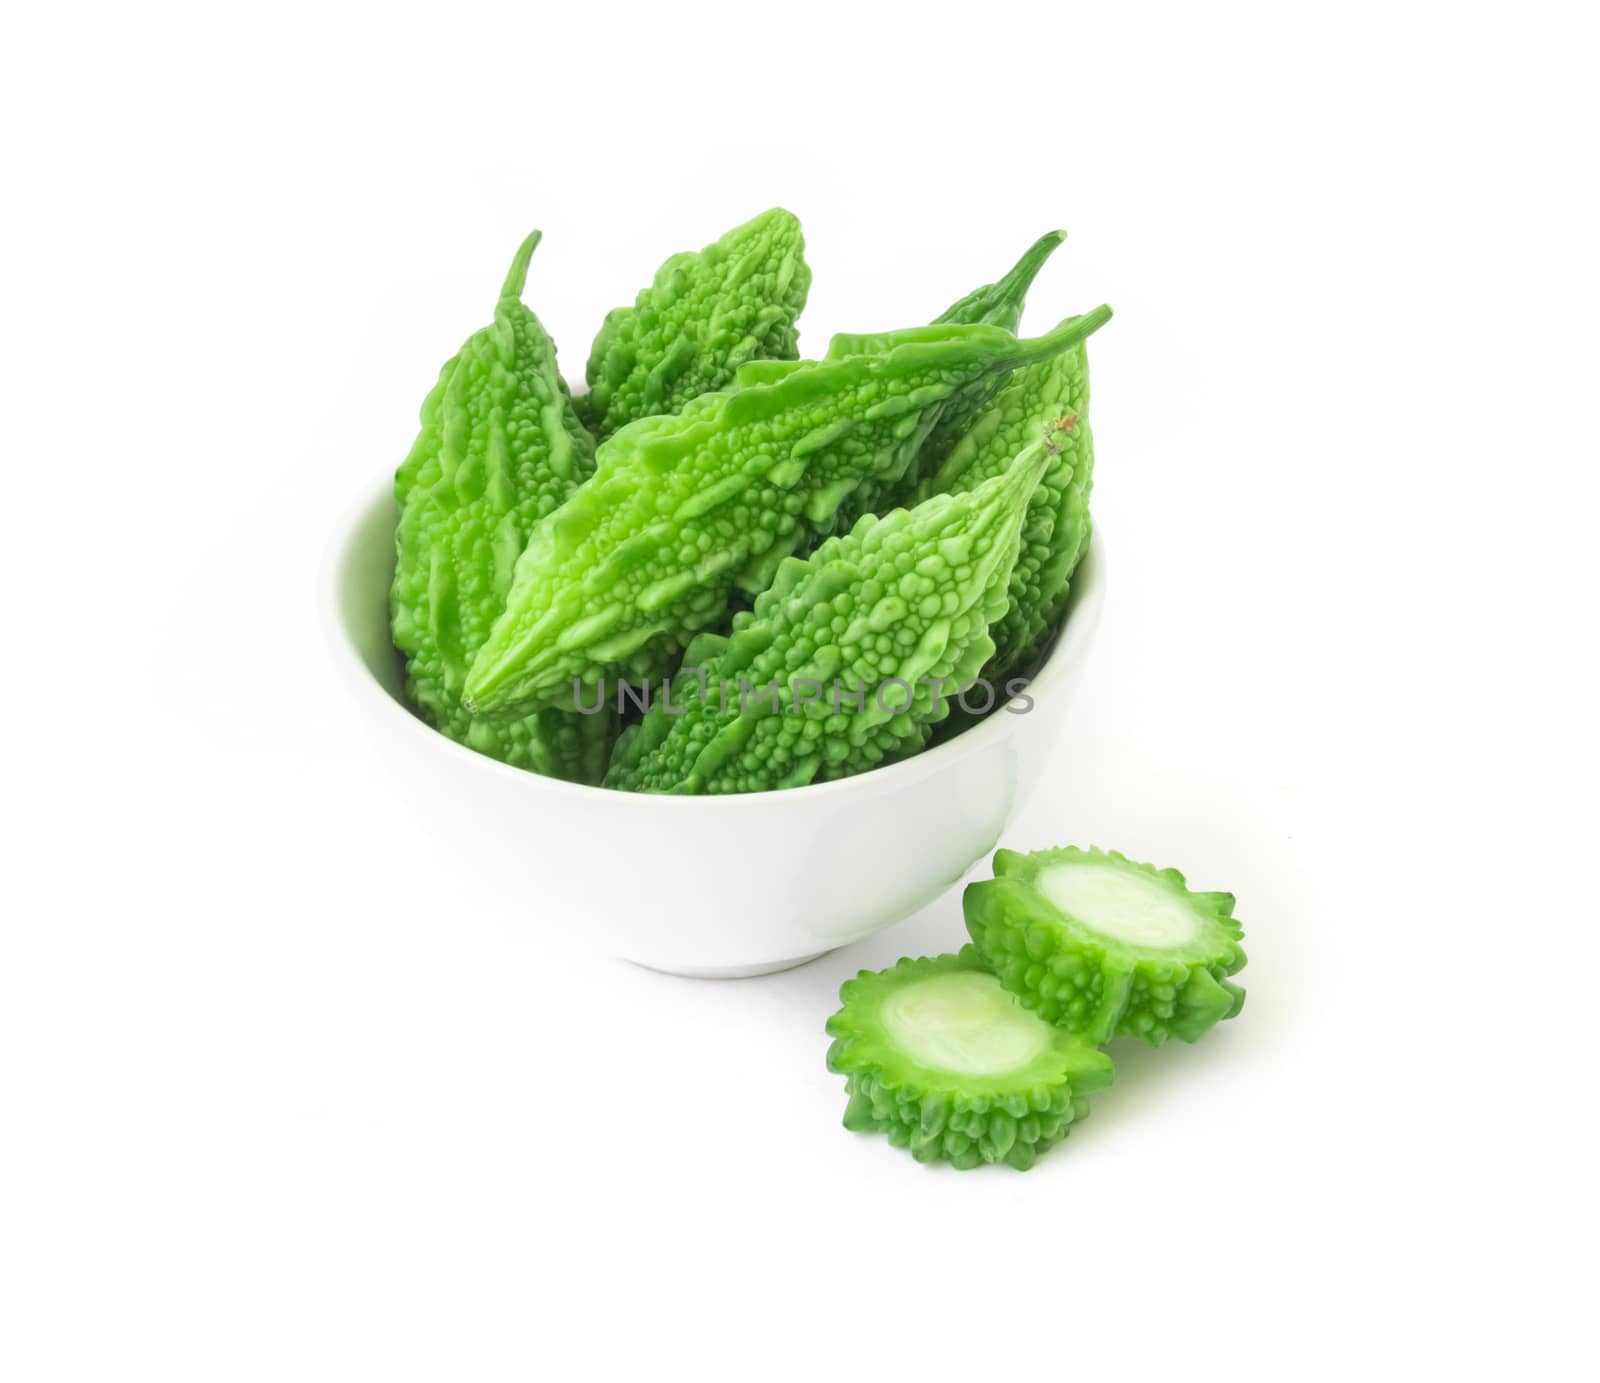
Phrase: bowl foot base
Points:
(732, 972)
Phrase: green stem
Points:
(517, 278)
(1065, 334)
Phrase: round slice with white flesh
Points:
(943, 1060)
(1106, 947)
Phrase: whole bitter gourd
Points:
(1106, 947)
(995, 304)
(704, 315)
(850, 657)
(938, 1056)
(682, 508)
(500, 448)
(1052, 396)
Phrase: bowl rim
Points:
(1065, 647)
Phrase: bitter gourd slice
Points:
(1106, 947)
(1052, 395)
(682, 508)
(942, 1059)
(848, 659)
(500, 447)
(704, 315)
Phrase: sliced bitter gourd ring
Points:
(947, 1063)
(1106, 947)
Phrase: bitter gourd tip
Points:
(1022, 477)
(999, 304)
(1064, 335)
(517, 276)
(1017, 282)
(1107, 947)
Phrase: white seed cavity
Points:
(964, 1023)
(1120, 903)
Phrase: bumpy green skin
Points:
(705, 315)
(995, 304)
(1051, 396)
(949, 1116)
(1095, 986)
(500, 448)
(909, 596)
(681, 509)
(429, 442)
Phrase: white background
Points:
(284, 1095)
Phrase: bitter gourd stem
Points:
(1016, 283)
(1059, 338)
(517, 275)
(1000, 304)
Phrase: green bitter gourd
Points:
(704, 315)
(848, 659)
(942, 1059)
(1052, 395)
(682, 508)
(1106, 947)
(995, 304)
(500, 448)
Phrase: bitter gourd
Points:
(500, 447)
(681, 508)
(938, 1056)
(995, 304)
(1052, 395)
(1106, 947)
(850, 657)
(703, 316)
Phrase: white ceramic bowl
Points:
(712, 886)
